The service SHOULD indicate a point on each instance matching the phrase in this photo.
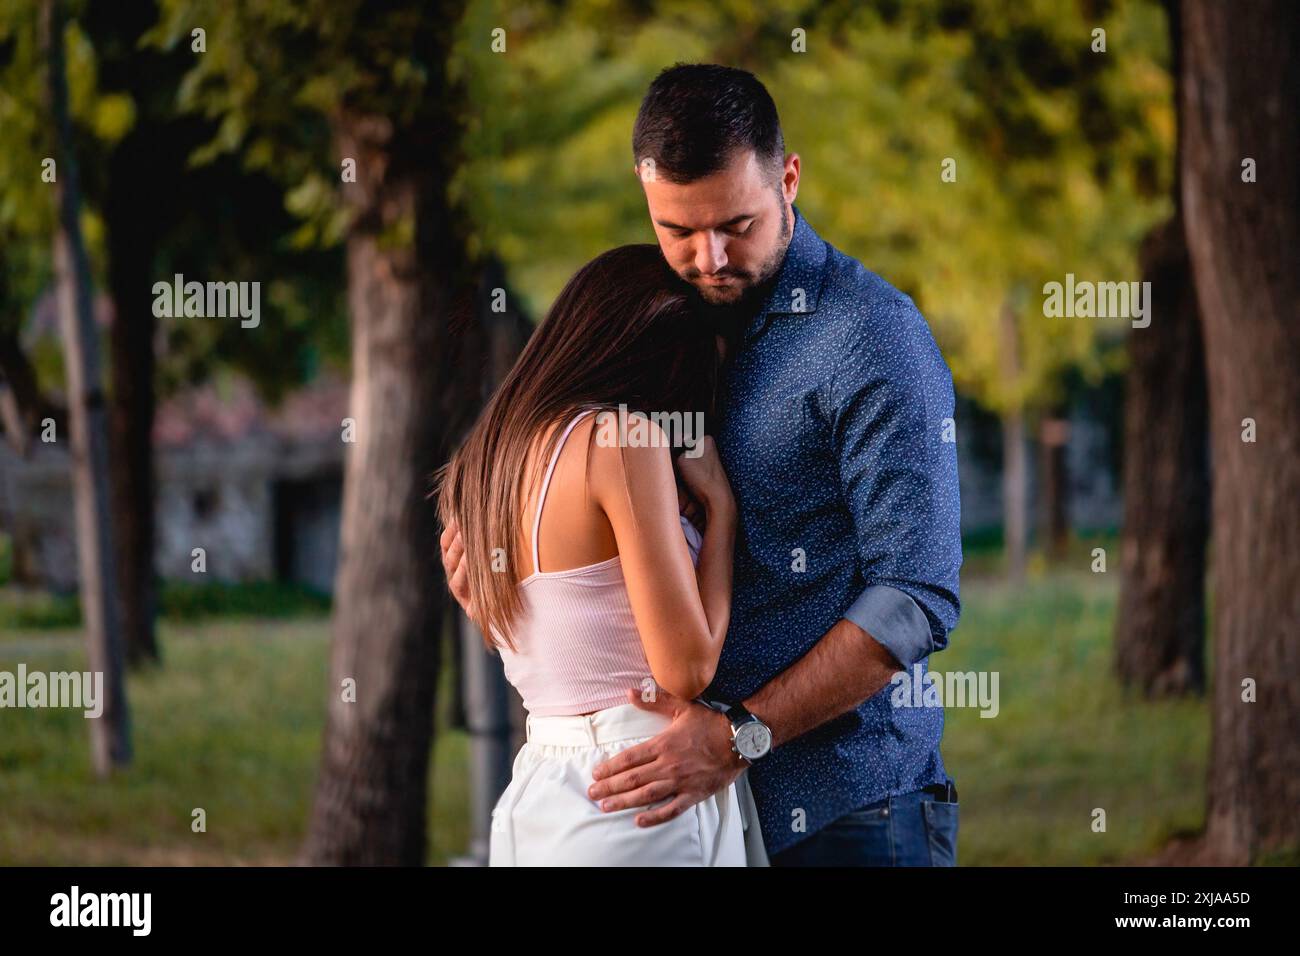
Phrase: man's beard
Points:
(748, 292)
(731, 317)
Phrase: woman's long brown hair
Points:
(622, 331)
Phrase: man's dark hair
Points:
(696, 115)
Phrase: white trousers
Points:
(545, 817)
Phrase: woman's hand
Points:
(691, 509)
(706, 480)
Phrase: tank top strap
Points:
(546, 484)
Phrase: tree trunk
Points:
(416, 364)
(1160, 626)
(1015, 494)
(1053, 445)
(110, 734)
(131, 239)
(1015, 467)
(1239, 100)
(145, 163)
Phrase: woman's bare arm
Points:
(681, 612)
(707, 483)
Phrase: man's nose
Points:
(710, 253)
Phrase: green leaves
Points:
(1062, 156)
(26, 199)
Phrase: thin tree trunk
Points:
(414, 351)
(110, 733)
(1053, 445)
(1160, 626)
(131, 238)
(144, 163)
(1239, 100)
(1015, 494)
(1015, 466)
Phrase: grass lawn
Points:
(231, 724)
(1066, 740)
(233, 721)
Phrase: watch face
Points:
(753, 740)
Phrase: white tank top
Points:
(577, 649)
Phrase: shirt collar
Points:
(799, 282)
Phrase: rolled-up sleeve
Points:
(895, 620)
(891, 404)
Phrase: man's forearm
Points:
(842, 670)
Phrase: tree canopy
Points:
(1062, 152)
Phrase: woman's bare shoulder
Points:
(628, 450)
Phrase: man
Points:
(849, 548)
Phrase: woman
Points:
(582, 570)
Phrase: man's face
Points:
(727, 233)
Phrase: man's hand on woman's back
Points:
(453, 565)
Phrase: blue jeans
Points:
(913, 829)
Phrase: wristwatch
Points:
(750, 737)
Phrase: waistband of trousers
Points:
(621, 722)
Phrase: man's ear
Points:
(790, 177)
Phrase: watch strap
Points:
(737, 714)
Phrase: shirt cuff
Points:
(895, 621)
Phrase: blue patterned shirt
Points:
(838, 441)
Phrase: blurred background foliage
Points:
(1062, 155)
